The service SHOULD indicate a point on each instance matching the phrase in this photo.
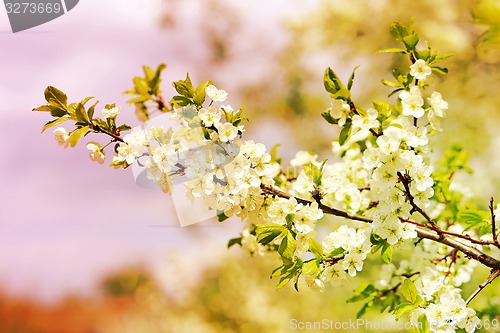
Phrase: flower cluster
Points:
(381, 179)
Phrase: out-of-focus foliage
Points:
(233, 296)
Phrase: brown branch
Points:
(493, 275)
(493, 224)
(328, 210)
(423, 230)
(97, 128)
(405, 180)
(444, 232)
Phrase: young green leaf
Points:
(200, 94)
(409, 291)
(345, 132)
(351, 78)
(54, 123)
(311, 267)
(328, 117)
(287, 246)
(266, 233)
(233, 242)
(81, 115)
(392, 50)
(403, 309)
(387, 253)
(315, 247)
(56, 97)
(77, 135)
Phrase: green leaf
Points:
(311, 267)
(392, 50)
(85, 100)
(440, 70)
(399, 31)
(180, 101)
(351, 78)
(54, 123)
(80, 114)
(392, 84)
(471, 217)
(403, 309)
(409, 291)
(141, 86)
(279, 271)
(441, 57)
(184, 87)
(200, 94)
(376, 247)
(364, 291)
(43, 108)
(411, 42)
(284, 280)
(376, 239)
(56, 97)
(423, 324)
(154, 82)
(234, 241)
(148, 72)
(336, 252)
(139, 99)
(91, 110)
(422, 54)
(387, 253)
(363, 309)
(77, 135)
(221, 217)
(312, 171)
(333, 85)
(382, 107)
(315, 247)
(345, 132)
(274, 153)
(266, 233)
(287, 246)
(124, 127)
(328, 117)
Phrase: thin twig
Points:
(102, 130)
(493, 223)
(494, 274)
(405, 180)
(444, 232)
(328, 210)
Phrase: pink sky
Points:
(65, 220)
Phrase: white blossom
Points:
(215, 94)
(412, 102)
(420, 70)
(111, 113)
(62, 136)
(96, 152)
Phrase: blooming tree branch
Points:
(381, 175)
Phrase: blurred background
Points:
(83, 249)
